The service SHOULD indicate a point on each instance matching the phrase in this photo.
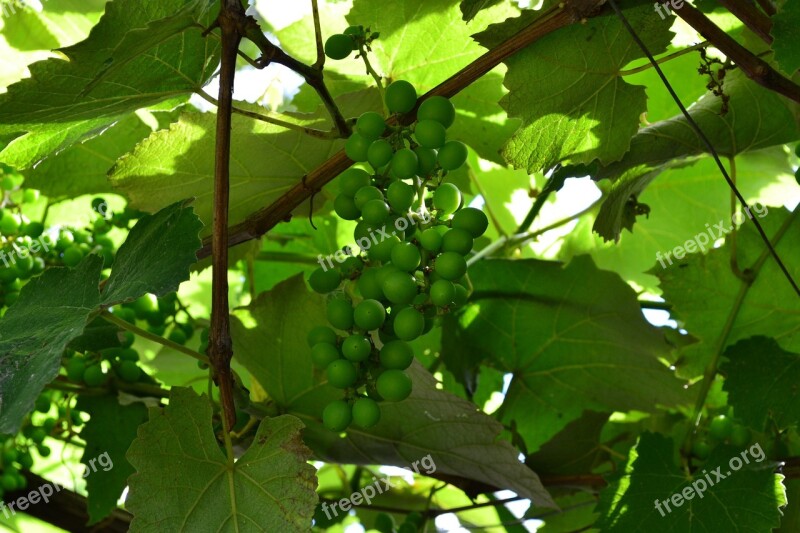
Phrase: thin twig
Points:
(320, 62)
(152, 336)
(664, 59)
(754, 19)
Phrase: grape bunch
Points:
(354, 38)
(720, 428)
(413, 235)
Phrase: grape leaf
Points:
(757, 118)
(270, 341)
(761, 381)
(183, 481)
(572, 100)
(54, 96)
(470, 8)
(704, 292)
(744, 500)
(51, 310)
(156, 256)
(573, 337)
(178, 163)
(784, 33)
(110, 430)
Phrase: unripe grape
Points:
(366, 413)
(356, 348)
(471, 219)
(370, 125)
(450, 266)
(33, 229)
(375, 212)
(351, 266)
(401, 196)
(128, 354)
(400, 96)
(337, 415)
(379, 154)
(341, 374)
(396, 355)
(394, 385)
(340, 314)
(720, 427)
(408, 324)
(404, 163)
(177, 336)
(75, 368)
(446, 199)
(399, 288)
(452, 155)
(383, 250)
(385, 271)
(368, 285)
(72, 256)
(462, 295)
(431, 240)
(339, 46)
(740, 436)
(442, 293)
(406, 256)
(129, 371)
(345, 207)
(701, 449)
(323, 354)
(369, 315)
(362, 231)
(437, 108)
(94, 376)
(353, 179)
(324, 281)
(9, 224)
(356, 147)
(365, 194)
(430, 134)
(457, 240)
(321, 334)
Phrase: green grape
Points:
(443, 293)
(365, 194)
(38, 435)
(100, 227)
(354, 30)
(740, 436)
(393, 385)
(408, 324)
(345, 207)
(128, 354)
(72, 256)
(340, 314)
(187, 328)
(383, 250)
(399, 288)
(337, 415)
(157, 329)
(414, 518)
(127, 339)
(384, 523)
(396, 355)
(9, 455)
(400, 96)
(368, 285)
(356, 348)
(404, 163)
(8, 275)
(65, 240)
(430, 134)
(356, 147)
(426, 160)
(471, 219)
(44, 451)
(375, 212)
(29, 196)
(42, 404)
(366, 413)
(33, 229)
(461, 296)
(341, 374)
(351, 266)
(452, 155)
(126, 314)
(24, 266)
(177, 336)
(380, 153)
(385, 271)
(129, 371)
(450, 266)
(401, 196)
(156, 318)
(321, 334)
(26, 461)
(9, 224)
(323, 354)
(98, 203)
(75, 368)
(457, 240)
(437, 108)
(370, 125)
(38, 266)
(406, 256)
(353, 179)
(720, 427)
(8, 482)
(324, 281)
(447, 198)
(369, 315)
(431, 240)
(339, 46)
(94, 376)
(362, 231)
(168, 303)
(701, 449)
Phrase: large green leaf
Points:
(51, 310)
(573, 103)
(269, 340)
(784, 31)
(156, 256)
(719, 308)
(573, 337)
(178, 163)
(269, 488)
(747, 499)
(110, 430)
(59, 95)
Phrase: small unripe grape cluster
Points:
(354, 38)
(720, 429)
(397, 285)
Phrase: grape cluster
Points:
(721, 428)
(341, 45)
(396, 285)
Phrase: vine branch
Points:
(749, 14)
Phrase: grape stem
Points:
(362, 50)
